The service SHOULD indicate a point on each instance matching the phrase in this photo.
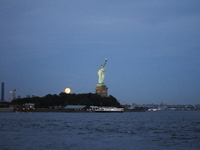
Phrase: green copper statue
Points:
(101, 73)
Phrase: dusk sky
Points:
(152, 47)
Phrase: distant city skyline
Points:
(152, 48)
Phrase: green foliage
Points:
(64, 99)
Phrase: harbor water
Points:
(170, 130)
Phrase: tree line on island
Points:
(63, 99)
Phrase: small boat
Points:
(109, 110)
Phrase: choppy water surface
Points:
(80, 131)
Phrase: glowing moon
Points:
(67, 90)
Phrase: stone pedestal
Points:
(102, 90)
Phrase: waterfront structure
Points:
(29, 105)
(109, 110)
(101, 88)
(6, 109)
(75, 107)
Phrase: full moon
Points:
(67, 90)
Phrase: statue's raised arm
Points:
(101, 73)
(105, 62)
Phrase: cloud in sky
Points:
(152, 48)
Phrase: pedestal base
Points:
(102, 90)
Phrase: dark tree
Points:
(64, 99)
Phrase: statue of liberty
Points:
(101, 73)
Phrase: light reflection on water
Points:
(155, 130)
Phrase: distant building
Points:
(33, 95)
(2, 91)
(10, 96)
